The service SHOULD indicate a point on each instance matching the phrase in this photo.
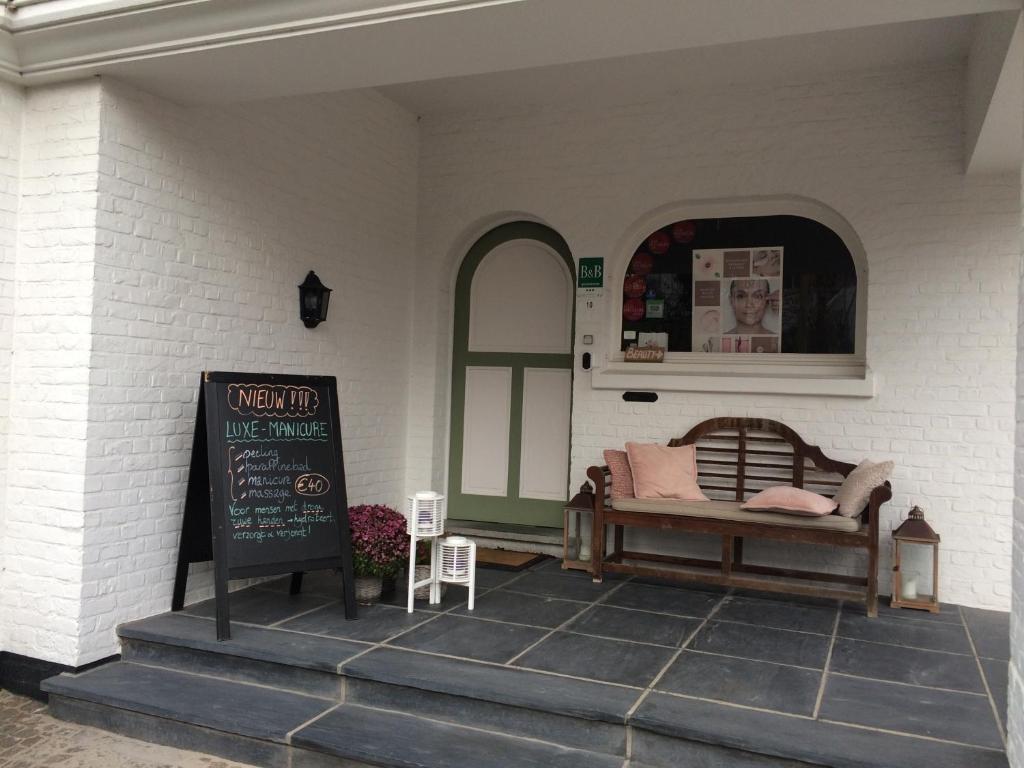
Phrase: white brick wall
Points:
(884, 149)
(12, 105)
(50, 344)
(1015, 713)
(171, 240)
(209, 219)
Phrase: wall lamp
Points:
(314, 297)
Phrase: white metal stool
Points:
(425, 520)
(458, 563)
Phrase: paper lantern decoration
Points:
(659, 242)
(642, 263)
(684, 231)
(635, 286)
(633, 310)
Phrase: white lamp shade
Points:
(426, 514)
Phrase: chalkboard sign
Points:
(266, 492)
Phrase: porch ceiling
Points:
(465, 53)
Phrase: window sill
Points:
(850, 380)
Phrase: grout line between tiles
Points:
(296, 729)
(984, 679)
(891, 732)
(828, 662)
(682, 647)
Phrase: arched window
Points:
(749, 284)
(761, 295)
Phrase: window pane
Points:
(818, 283)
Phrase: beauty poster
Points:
(737, 300)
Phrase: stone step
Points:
(270, 727)
(577, 713)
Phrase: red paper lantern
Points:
(684, 231)
(633, 310)
(634, 286)
(659, 242)
(642, 263)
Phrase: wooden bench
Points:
(736, 458)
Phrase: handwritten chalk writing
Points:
(242, 429)
(300, 429)
(274, 400)
(312, 485)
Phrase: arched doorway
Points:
(512, 378)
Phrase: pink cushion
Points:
(622, 475)
(660, 472)
(794, 501)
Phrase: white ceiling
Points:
(636, 79)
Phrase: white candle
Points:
(908, 587)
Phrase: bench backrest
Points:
(737, 457)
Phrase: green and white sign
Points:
(591, 273)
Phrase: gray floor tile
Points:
(556, 585)
(948, 613)
(260, 606)
(661, 599)
(997, 675)
(638, 626)
(963, 717)
(470, 638)
(520, 608)
(930, 635)
(782, 597)
(489, 578)
(741, 681)
(990, 631)
(763, 644)
(689, 586)
(375, 622)
(900, 664)
(781, 615)
(613, 661)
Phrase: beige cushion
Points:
(622, 475)
(730, 510)
(855, 491)
(664, 472)
(790, 500)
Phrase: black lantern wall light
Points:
(314, 297)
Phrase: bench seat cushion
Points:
(730, 510)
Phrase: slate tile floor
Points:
(941, 677)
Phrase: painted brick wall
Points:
(12, 105)
(1015, 714)
(884, 149)
(40, 586)
(208, 220)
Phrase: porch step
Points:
(268, 727)
(576, 713)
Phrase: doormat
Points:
(505, 559)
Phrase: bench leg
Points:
(727, 552)
(597, 548)
(871, 601)
(619, 536)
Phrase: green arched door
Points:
(512, 378)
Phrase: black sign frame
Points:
(205, 526)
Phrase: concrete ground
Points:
(30, 738)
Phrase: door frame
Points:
(463, 358)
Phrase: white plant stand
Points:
(425, 520)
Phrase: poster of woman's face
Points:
(740, 289)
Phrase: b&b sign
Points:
(591, 273)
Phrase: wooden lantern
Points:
(574, 555)
(914, 531)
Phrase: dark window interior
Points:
(819, 283)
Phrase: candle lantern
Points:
(915, 536)
(574, 554)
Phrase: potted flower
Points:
(379, 546)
